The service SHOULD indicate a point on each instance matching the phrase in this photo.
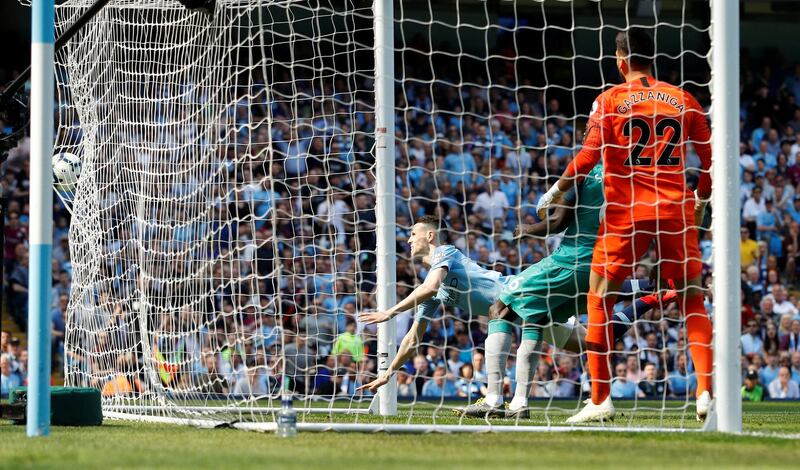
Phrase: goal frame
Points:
(726, 416)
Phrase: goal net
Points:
(225, 227)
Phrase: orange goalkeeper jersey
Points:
(640, 129)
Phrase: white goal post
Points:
(250, 178)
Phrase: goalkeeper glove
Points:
(552, 196)
(699, 210)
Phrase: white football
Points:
(66, 171)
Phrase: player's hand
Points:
(699, 211)
(552, 196)
(374, 385)
(370, 318)
(521, 230)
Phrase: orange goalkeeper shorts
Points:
(619, 248)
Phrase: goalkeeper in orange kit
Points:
(640, 129)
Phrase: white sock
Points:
(527, 360)
(498, 345)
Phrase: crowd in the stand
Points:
(287, 252)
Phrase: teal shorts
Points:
(546, 293)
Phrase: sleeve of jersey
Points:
(700, 137)
(427, 309)
(571, 195)
(591, 151)
(442, 258)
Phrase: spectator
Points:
(18, 290)
(765, 155)
(635, 373)
(254, 383)
(621, 387)
(459, 166)
(751, 341)
(784, 388)
(681, 383)
(421, 373)
(771, 340)
(464, 347)
(299, 357)
(748, 248)
(780, 304)
(405, 385)
(15, 234)
(466, 386)
(752, 274)
(440, 386)
(769, 372)
(491, 204)
(8, 379)
(479, 368)
(752, 390)
(784, 326)
(650, 385)
(795, 362)
(22, 366)
(324, 377)
(454, 361)
(350, 342)
(13, 352)
(768, 224)
(791, 340)
(754, 206)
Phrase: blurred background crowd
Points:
(285, 258)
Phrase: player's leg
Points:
(528, 355)
(600, 334)
(681, 263)
(498, 345)
(546, 296)
(699, 331)
(571, 335)
(612, 262)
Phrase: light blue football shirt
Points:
(467, 285)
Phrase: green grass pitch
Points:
(121, 444)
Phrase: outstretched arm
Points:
(423, 292)
(555, 223)
(584, 161)
(406, 350)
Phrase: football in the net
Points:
(66, 171)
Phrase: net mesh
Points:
(223, 234)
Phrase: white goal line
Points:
(235, 409)
(388, 428)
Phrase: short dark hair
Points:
(430, 220)
(638, 45)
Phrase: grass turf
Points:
(119, 444)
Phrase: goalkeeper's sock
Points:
(498, 344)
(527, 361)
(599, 338)
(699, 334)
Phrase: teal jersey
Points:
(467, 285)
(575, 251)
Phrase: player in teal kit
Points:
(549, 292)
(455, 280)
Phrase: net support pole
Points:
(385, 197)
(725, 223)
(41, 217)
